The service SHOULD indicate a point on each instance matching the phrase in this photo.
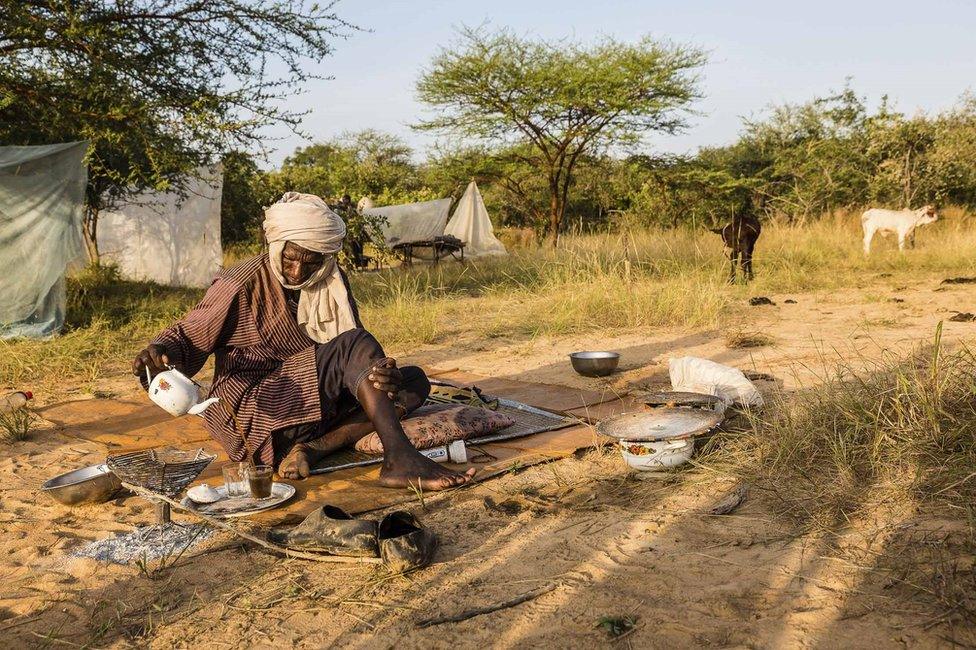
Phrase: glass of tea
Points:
(259, 480)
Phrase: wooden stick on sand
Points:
(213, 521)
(488, 609)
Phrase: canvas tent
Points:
(412, 222)
(471, 225)
(172, 238)
(42, 195)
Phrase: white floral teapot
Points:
(176, 393)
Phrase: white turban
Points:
(324, 311)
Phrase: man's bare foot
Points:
(297, 464)
(301, 459)
(411, 468)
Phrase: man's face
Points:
(298, 264)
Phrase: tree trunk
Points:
(90, 229)
(559, 183)
(552, 230)
(556, 209)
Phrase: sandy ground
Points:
(610, 542)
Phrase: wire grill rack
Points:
(165, 470)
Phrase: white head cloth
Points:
(324, 311)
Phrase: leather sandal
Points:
(331, 530)
(405, 544)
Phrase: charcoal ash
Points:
(146, 543)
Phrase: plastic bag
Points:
(697, 375)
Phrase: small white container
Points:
(456, 452)
(658, 454)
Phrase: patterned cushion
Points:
(439, 424)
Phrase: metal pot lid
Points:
(680, 398)
(660, 424)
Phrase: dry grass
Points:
(738, 338)
(650, 278)
(904, 430)
(898, 428)
(876, 442)
(108, 320)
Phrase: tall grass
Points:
(601, 282)
(877, 442)
(648, 278)
(891, 428)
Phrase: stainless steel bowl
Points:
(93, 484)
(594, 364)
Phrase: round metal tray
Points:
(226, 507)
(660, 424)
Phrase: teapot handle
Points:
(180, 374)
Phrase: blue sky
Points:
(921, 53)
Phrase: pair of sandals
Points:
(398, 538)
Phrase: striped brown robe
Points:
(264, 363)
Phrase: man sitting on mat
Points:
(296, 373)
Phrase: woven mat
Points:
(528, 420)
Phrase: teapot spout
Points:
(198, 409)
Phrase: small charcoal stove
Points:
(165, 471)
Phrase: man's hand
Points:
(387, 378)
(153, 357)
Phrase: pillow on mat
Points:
(439, 424)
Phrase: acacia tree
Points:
(360, 163)
(158, 87)
(550, 103)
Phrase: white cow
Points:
(900, 222)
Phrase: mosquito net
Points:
(172, 238)
(42, 194)
(413, 222)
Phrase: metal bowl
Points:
(93, 484)
(594, 364)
